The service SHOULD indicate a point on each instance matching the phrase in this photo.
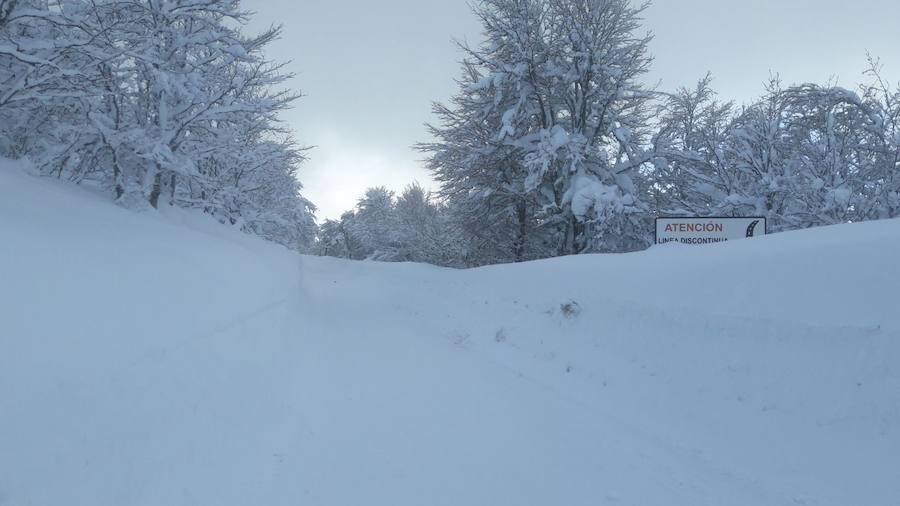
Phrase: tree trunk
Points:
(117, 178)
(568, 245)
(522, 234)
(172, 183)
(156, 191)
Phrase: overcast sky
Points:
(370, 69)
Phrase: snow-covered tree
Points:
(187, 77)
(416, 220)
(692, 174)
(332, 240)
(426, 233)
(412, 227)
(803, 156)
(157, 101)
(51, 53)
(550, 114)
(374, 224)
(881, 172)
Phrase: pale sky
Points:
(370, 69)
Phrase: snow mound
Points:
(161, 358)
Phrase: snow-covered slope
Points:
(162, 359)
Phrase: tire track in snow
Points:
(156, 356)
(644, 439)
(215, 330)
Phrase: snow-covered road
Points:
(151, 359)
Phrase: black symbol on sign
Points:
(752, 228)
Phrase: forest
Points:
(553, 144)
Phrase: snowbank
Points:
(161, 358)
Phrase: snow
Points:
(840, 196)
(161, 358)
(587, 193)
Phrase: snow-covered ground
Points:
(163, 359)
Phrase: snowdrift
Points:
(162, 359)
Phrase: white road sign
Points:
(707, 230)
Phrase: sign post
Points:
(708, 230)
